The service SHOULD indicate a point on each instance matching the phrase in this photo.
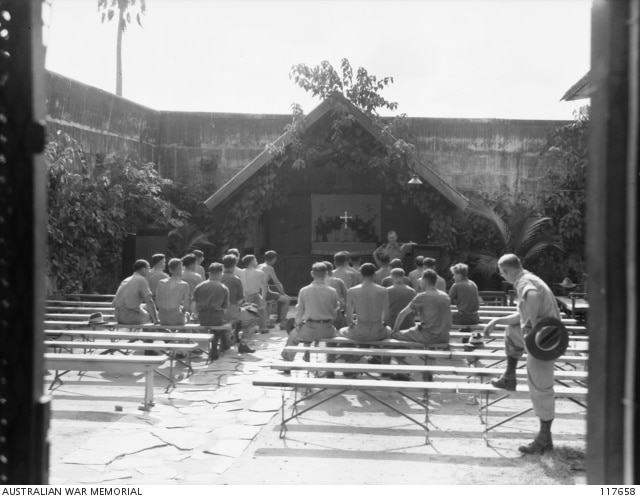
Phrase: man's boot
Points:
(244, 348)
(542, 442)
(508, 380)
(213, 348)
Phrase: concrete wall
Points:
(203, 148)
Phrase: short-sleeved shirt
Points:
(433, 307)
(132, 292)
(399, 298)
(200, 271)
(317, 301)
(464, 294)
(212, 298)
(547, 304)
(347, 275)
(340, 287)
(415, 275)
(155, 276)
(394, 250)
(380, 274)
(234, 285)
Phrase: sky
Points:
(449, 58)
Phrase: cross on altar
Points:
(346, 218)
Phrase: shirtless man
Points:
(255, 288)
(535, 301)
(199, 259)
(388, 281)
(237, 271)
(400, 295)
(156, 274)
(383, 271)
(416, 274)
(189, 274)
(315, 311)
(430, 263)
(281, 297)
(354, 264)
(172, 297)
(393, 248)
(343, 271)
(131, 294)
(371, 304)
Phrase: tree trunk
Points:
(119, 52)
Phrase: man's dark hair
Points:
(270, 256)
(384, 258)
(355, 258)
(188, 260)
(340, 258)
(430, 276)
(397, 272)
(198, 253)
(329, 266)
(139, 265)
(319, 268)
(233, 251)
(173, 264)
(396, 263)
(419, 261)
(229, 261)
(157, 258)
(215, 268)
(368, 270)
(429, 262)
(247, 259)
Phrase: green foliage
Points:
(565, 160)
(186, 238)
(364, 91)
(90, 213)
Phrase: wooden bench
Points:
(63, 363)
(575, 305)
(494, 297)
(167, 348)
(401, 387)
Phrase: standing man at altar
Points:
(393, 248)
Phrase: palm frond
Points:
(531, 229)
(540, 246)
(487, 265)
(483, 210)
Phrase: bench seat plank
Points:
(119, 345)
(132, 335)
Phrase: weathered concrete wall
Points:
(204, 148)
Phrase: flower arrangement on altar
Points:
(357, 229)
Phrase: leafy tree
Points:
(124, 9)
(90, 213)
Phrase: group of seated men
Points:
(371, 304)
(187, 293)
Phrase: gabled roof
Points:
(580, 90)
(328, 105)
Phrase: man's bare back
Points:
(369, 301)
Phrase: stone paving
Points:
(215, 427)
(191, 435)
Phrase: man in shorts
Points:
(464, 294)
(256, 288)
(130, 296)
(283, 300)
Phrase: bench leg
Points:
(148, 391)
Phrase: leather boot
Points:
(542, 442)
(508, 380)
(244, 348)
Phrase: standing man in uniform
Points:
(280, 297)
(393, 248)
(535, 302)
(131, 294)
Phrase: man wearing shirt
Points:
(189, 274)
(343, 271)
(255, 288)
(464, 294)
(400, 295)
(430, 263)
(282, 299)
(315, 312)
(393, 249)
(131, 294)
(156, 274)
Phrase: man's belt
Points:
(323, 321)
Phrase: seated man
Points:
(172, 297)
(416, 274)
(400, 295)
(131, 294)
(315, 312)
(430, 263)
(236, 298)
(156, 274)
(464, 294)
(341, 288)
(199, 259)
(255, 288)
(388, 281)
(189, 274)
(371, 304)
(434, 309)
(383, 271)
(342, 270)
(211, 298)
(280, 296)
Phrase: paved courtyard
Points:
(217, 428)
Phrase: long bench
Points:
(63, 363)
(167, 348)
(401, 387)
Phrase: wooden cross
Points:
(346, 218)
